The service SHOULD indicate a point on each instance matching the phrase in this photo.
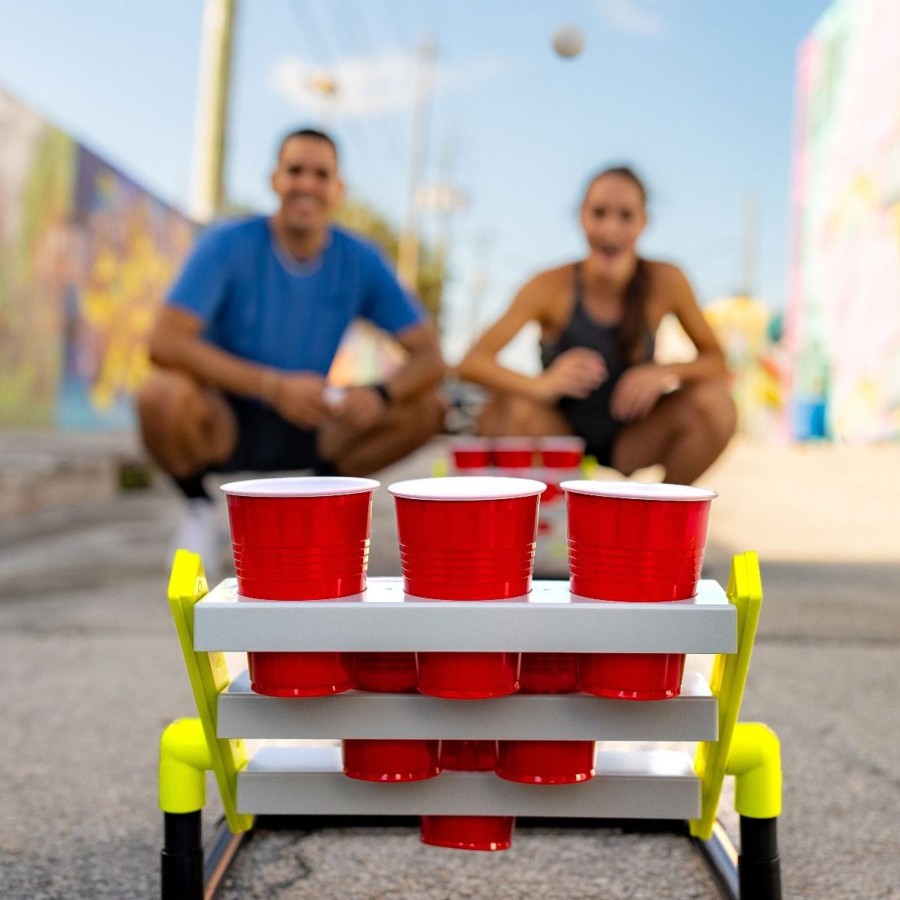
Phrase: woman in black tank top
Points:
(598, 319)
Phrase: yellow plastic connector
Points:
(184, 761)
(729, 677)
(755, 761)
(208, 674)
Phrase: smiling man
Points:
(247, 335)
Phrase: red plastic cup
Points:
(623, 533)
(391, 760)
(635, 542)
(631, 676)
(561, 452)
(468, 832)
(448, 527)
(547, 673)
(468, 756)
(278, 674)
(389, 673)
(546, 762)
(471, 453)
(468, 676)
(513, 452)
(300, 538)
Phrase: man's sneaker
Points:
(201, 532)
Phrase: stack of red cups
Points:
(632, 542)
(300, 539)
(467, 538)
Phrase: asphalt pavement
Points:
(94, 673)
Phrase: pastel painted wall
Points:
(843, 313)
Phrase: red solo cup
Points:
(547, 673)
(468, 676)
(468, 756)
(471, 453)
(631, 676)
(300, 538)
(389, 673)
(390, 760)
(553, 492)
(561, 452)
(468, 832)
(623, 533)
(513, 452)
(546, 762)
(278, 674)
(450, 522)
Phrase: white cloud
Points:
(632, 16)
(372, 86)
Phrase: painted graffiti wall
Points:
(843, 314)
(86, 255)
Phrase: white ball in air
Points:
(568, 41)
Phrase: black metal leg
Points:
(182, 857)
(759, 868)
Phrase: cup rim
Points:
(300, 486)
(638, 490)
(467, 487)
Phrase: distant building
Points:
(86, 255)
(842, 327)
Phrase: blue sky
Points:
(697, 94)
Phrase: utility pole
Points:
(408, 251)
(207, 182)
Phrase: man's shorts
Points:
(267, 443)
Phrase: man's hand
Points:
(361, 407)
(298, 398)
(638, 390)
(574, 373)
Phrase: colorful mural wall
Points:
(843, 315)
(86, 254)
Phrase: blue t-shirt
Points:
(262, 305)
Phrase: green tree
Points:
(360, 217)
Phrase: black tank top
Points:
(583, 331)
(590, 417)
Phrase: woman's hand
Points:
(574, 373)
(638, 390)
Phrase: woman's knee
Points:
(714, 408)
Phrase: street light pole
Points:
(408, 251)
(207, 182)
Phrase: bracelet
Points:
(268, 389)
(381, 389)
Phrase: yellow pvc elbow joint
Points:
(183, 763)
(755, 761)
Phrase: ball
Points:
(568, 41)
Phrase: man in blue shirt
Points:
(249, 330)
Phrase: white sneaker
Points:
(201, 532)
